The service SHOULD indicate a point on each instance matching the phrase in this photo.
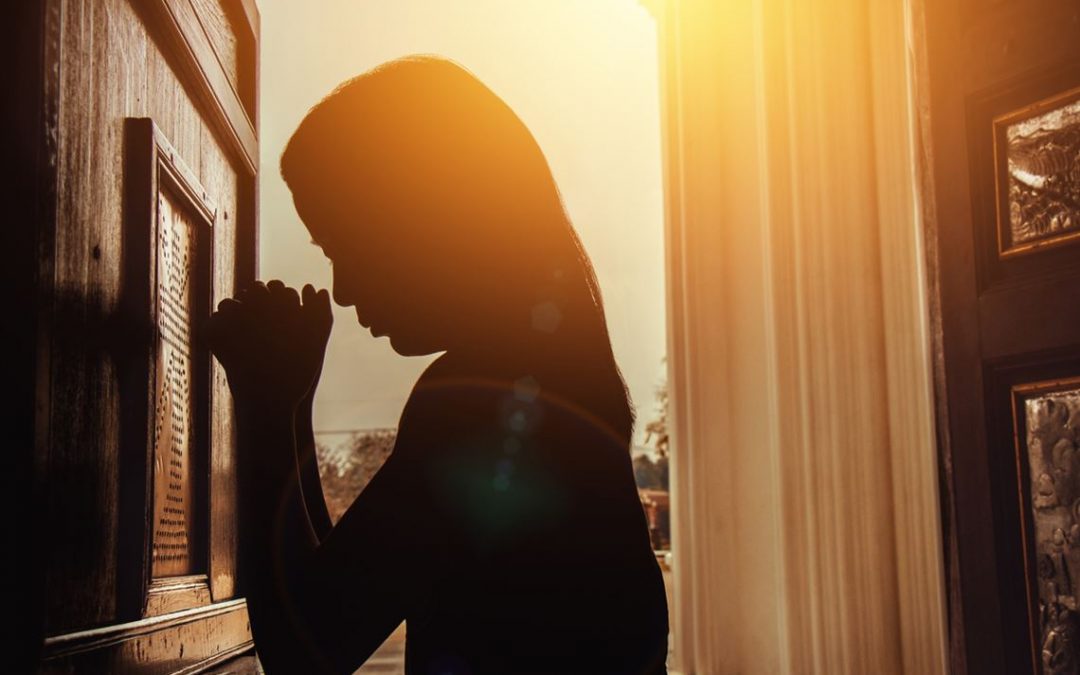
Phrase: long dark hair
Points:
(422, 135)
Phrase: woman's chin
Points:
(410, 347)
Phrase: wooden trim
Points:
(172, 594)
(177, 25)
(1051, 314)
(153, 166)
(252, 17)
(156, 645)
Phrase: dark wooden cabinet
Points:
(134, 127)
(1001, 133)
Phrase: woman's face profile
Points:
(371, 274)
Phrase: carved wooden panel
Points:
(170, 224)
(1024, 159)
(1037, 158)
(1002, 316)
(175, 507)
(233, 43)
(88, 260)
(1046, 419)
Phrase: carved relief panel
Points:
(1037, 152)
(1046, 419)
(1024, 155)
(170, 244)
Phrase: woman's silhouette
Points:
(505, 527)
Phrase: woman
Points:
(505, 527)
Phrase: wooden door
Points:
(137, 214)
(1001, 132)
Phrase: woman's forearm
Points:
(276, 539)
(308, 462)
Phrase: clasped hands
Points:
(271, 340)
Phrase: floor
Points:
(388, 659)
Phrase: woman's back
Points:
(544, 560)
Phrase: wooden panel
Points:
(1016, 39)
(181, 643)
(178, 30)
(230, 33)
(1029, 318)
(178, 444)
(1004, 258)
(82, 465)
(104, 48)
(217, 24)
(229, 244)
(169, 224)
(1045, 420)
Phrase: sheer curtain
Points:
(806, 520)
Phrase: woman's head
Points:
(441, 218)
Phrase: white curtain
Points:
(807, 536)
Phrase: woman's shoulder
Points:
(451, 382)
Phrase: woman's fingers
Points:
(323, 303)
(219, 332)
(315, 298)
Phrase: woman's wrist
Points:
(265, 447)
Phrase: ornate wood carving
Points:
(169, 224)
(1046, 419)
(1037, 171)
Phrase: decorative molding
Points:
(161, 644)
(1044, 416)
(161, 191)
(1035, 165)
(177, 25)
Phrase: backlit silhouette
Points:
(505, 527)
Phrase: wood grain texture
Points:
(180, 642)
(112, 70)
(217, 22)
(231, 26)
(180, 35)
(219, 179)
